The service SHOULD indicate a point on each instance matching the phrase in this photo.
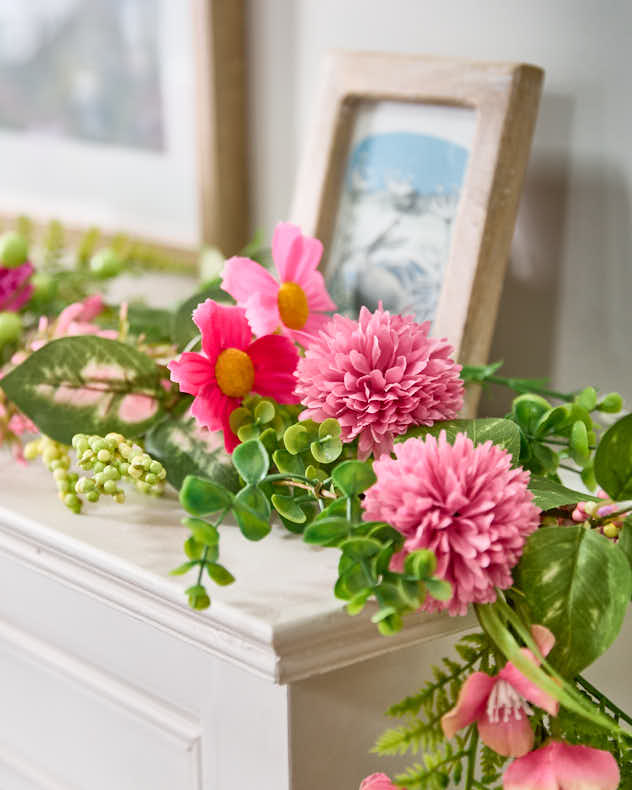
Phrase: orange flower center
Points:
(234, 372)
(293, 307)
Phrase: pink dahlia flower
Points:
(231, 366)
(561, 766)
(15, 286)
(465, 503)
(500, 705)
(378, 376)
(377, 782)
(298, 302)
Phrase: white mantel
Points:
(108, 679)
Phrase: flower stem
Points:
(592, 690)
(471, 758)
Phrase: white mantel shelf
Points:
(278, 622)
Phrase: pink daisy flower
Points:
(378, 376)
(562, 766)
(500, 705)
(465, 503)
(298, 302)
(15, 286)
(231, 366)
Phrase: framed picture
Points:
(411, 178)
(128, 115)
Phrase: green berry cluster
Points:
(57, 459)
(110, 460)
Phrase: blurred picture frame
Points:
(411, 178)
(129, 116)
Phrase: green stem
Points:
(523, 387)
(471, 758)
(202, 565)
(613, 516)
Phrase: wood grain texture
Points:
(505, 97)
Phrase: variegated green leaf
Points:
(87, 384)
(185, 448)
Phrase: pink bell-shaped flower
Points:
(561, 766)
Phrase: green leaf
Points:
(239, 417)
(219, 574)
(611, 403)
(579, 443)
(184, 568)
(353, 477)
(587, 398)
(152, 322)
(252, 511)
(183, 329)
(287, 463)
(528, 409)
(625, 539)
(578, 584)
(439, 588)
(479, 372)
(361, 548)
(504, 433)
(186, 448)
(287, 507)
(613, 460)
(548, 494)
(203, 532)
(329, 427)
(192, 548)
(200, 497)
(198, 597)
(251, 461)
(326, 531)
(326, 451)
(421, 564)
(296, 438)
(264, 412)
(87, 384)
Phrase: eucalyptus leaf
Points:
(613, 460)
(501, 432)
(287, 463)
(252, 511)
(439, 589)
(287, 507)
(186, 448)
(87, 384)
(251, 461)
(578, 584)
(200, 497)
(203, 532)
(326, 531)
(326, 451)
(219, 574)
(353, 477)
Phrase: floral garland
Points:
(254, 402)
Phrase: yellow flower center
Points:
(293, 307)
(234, 373)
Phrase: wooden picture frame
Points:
(503, 99)
(211, 35)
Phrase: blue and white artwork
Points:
(399, 199)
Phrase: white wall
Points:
(564, 311)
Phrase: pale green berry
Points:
(99, 479)
(117, 438)
(31, 450)
(14, 249)
(123, 468)
(106, 263)
(50, 454)
(64, 486)
(110, 487)
(111, 473)
(151, 479)
(125, 449)
(120, 497)
(143, 487)
(162, 474)
(98, 467)
(92, 496)
(10, 327)
(611, 530)
(136, 472)
(60, 474)
(155, 467)
(72, 501)
(105, 456)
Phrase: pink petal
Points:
(243, 277)
(470, 705)
(304, 256)
(511, 738)
(262, 312)
(222, 326)
(285, 248)
(530, 772)
(544, 638)
(192, 372)
(210, 406)
(317, 297)
(561, 766)
(377, 782)
(309, 332)
(274, 359)
(92, 306)
(67, 316)
(528, 689)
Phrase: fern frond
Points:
(434, 772)
(416, 735)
